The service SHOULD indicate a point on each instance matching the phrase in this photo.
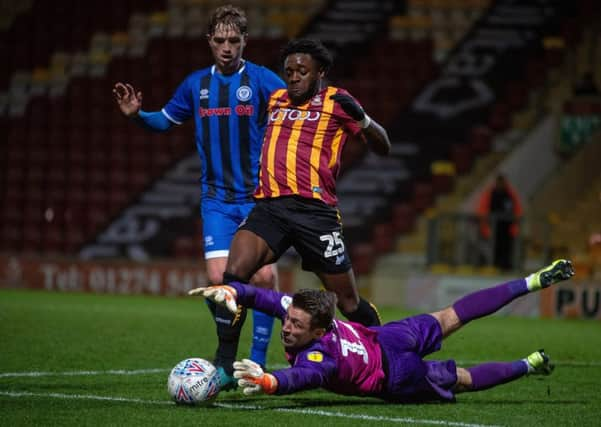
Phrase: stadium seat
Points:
(186, 248)
(383, 238)
(74, 238)
(480, 139)
(363, 258)
(423, 196)
(117, 199)
(53, 241)
(403, 217)
(12, 237)
(32, 238)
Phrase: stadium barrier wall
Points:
(170, 278)
(118, 277)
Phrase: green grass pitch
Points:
(67, 359)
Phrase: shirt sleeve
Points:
(270, 302)
(180, 107)
(348, 123)
(154, 121)
(270, 82)
(312, 369)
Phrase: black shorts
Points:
(313, 228)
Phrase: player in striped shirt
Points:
(308, 125)
(227, 102)
(381, 361)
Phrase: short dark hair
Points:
(230, 16)
(315, 48)
(321, 305)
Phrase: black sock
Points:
(229, 278)
(366, 314)
(229, 327)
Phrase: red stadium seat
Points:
(117, 199)
(403, 217)
(56, 176)
(32, 238)
(97, 179)
(15, 174)
(480, 139)
(74, 239)
(53, 241)
(363, 258)
(11, 238)
(462, 157)
(423, 196)
(187, 248)
(383, 238)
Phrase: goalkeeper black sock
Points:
(366, 314)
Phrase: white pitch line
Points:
(84, 373)
(272, 367)
(357, 416)
(320, 413)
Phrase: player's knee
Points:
(448, 320)
(348, 304)
(215, 277)
(464, 381)
(265, 278)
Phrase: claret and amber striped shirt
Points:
(302, 146)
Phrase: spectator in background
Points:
(499, 209)
(227, 102)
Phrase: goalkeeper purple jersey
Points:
(346, 360)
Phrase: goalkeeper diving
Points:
(380, 361)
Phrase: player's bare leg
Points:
(354, 308)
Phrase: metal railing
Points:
(455, 239)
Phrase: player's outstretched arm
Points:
(252, 379)
(130, 103)
(374, 133)
(128, 100)
(220, 294)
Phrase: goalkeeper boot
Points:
(559, 270)
(226, 382)
(539, 363)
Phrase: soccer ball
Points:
(193, 382)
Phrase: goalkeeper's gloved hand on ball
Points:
(220, 294)
(350, 107)
(252, 379)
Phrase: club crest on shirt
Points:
(315, 356)
(244, 93)
(286, 301)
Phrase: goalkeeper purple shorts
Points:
(409, 378)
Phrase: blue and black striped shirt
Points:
(229, 113)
